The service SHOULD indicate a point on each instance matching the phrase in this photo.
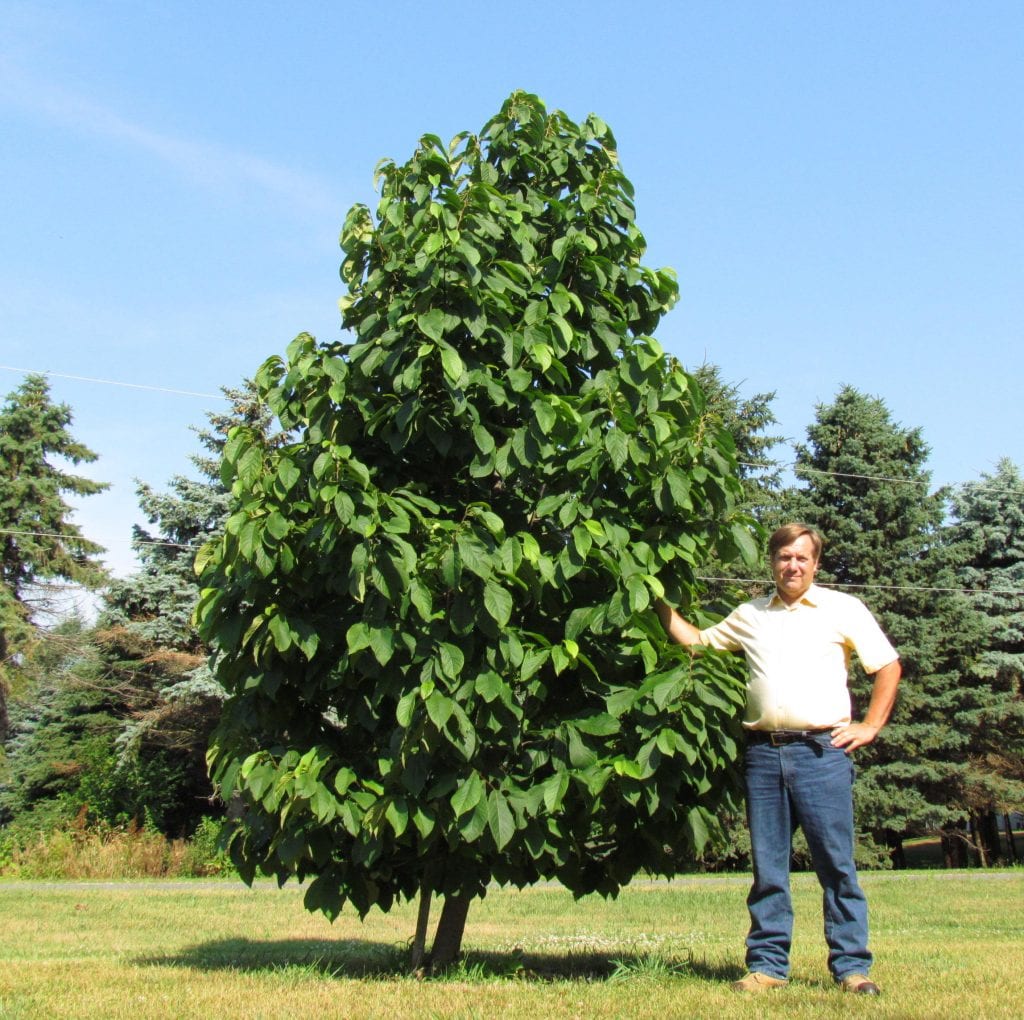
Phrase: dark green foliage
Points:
(988, 538)
(748, 421)
(122, 791)
(146, 636)
(38, 542)
(63, 760)
(878, 531)
(432, 607)
(38, 764)
(165, 713)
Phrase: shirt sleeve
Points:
(867, 639)
(726, 636)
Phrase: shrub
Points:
(204, 853)
(103, 851)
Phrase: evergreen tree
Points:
(39, 544)
(63, 764)
(989, 537)
(157, 601)
(115, 719)
(154, 657)
(866, 488)
(748, 421)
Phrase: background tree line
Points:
(107, 722)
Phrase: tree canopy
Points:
(431, 606)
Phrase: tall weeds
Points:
(106, 852)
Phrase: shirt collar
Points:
(809, 598)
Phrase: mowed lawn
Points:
(948, 944)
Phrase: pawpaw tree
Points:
(431, 606)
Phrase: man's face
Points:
(793, 568)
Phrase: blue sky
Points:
(839, 186)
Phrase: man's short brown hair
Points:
(789, 533)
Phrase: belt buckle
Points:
(778, 738)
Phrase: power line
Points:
(876, 587)
(794, 465)
(114, 382)
(82, 538)
(730, 580)
(838, 474)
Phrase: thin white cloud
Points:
(208, 164)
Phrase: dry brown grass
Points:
(79, 853)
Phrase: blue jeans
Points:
(807, 784)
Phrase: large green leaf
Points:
(432, 323)
(500, 819)
(498, 602)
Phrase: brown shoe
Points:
(859, 983)
(756, 982)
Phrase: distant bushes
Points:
(113, 852)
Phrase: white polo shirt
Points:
(799, 656)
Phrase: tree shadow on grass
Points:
(362, 958)
(327, 957)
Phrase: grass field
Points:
(947, 944)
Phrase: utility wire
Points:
(730, 580)
(875, 587)
(75, 538)
(114, 382)
(777, 465)
(797, 467)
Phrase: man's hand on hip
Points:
(853, 735)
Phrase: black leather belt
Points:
(778, 737)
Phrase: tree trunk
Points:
(988, 836)
(419, 942)
(1011, 846)
(896, 852)
(448, 937)
(946, 841)
(954, 848)
(977, 844)
(3, 686)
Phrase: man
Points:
(800, 734)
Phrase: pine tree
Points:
(62, 763)
(989, 537)
(154, 657)
(115, 721)
(748, 421)
(866, 488)
(157, 601)
(39, 544)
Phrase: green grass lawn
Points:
(947, 944)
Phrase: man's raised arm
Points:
(679, 630)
